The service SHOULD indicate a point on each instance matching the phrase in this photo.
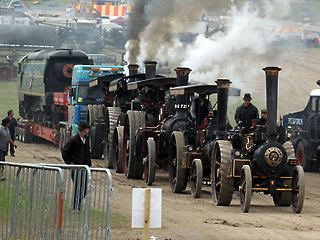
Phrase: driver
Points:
(200, 108)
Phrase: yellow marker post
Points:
(146, 235)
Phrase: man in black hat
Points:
(5, 139)
(263, 119)
(246, 112)
(77, 151)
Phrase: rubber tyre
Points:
(177, 173)
(221, 185)
(150, 162)
(196, 178)
(302, 160)
(298, 189)
(245, 188)
(118, 149)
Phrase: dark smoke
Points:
(156, 23)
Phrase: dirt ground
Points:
(186, 218)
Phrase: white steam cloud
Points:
(250, 35)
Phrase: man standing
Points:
(12, 126)
(77, 151)
(263, 119)
(246, 112)
(5, 139)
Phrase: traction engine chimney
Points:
(150, 69)
(223, 93)
(181, 100)
(272, 101)
(133, 70)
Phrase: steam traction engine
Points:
(151, 141)
(190, 151)
(259, 160)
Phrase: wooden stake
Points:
(146, 235)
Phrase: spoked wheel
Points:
(283, 198)
(6, 73)
(221, 184)
(245, 188)
(128, 144)
(196, 178)
(150, 162)
(177, 173)
(298, 189)
(118, 149)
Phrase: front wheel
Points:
(196, 178)
(298, 189)
(221, 184)
(177, 173)
(117, 149)
(245, 188)
(150, 162)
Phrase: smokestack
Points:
(223, 93)
(181, 100)
(272, 101)
(150, 69)
(133, 70)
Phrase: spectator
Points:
(12, 126)
(76, 151)
(5, 139)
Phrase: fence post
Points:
(16, 195)
(88, 204)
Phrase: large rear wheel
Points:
(302, 159)
(245, 188)
(177, 172)
(298, 189)
(128, 144)
(196, 178)
(221, 184)
(138, 164)
(112, 116)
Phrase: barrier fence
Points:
(40, 201)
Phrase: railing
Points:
(39, 201)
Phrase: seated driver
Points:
(200, 108)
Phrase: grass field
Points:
(8, 98)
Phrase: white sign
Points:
(138, 207)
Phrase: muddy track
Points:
(186, 218)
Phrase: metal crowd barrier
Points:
(39, 201)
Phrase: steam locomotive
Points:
(41, 74)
